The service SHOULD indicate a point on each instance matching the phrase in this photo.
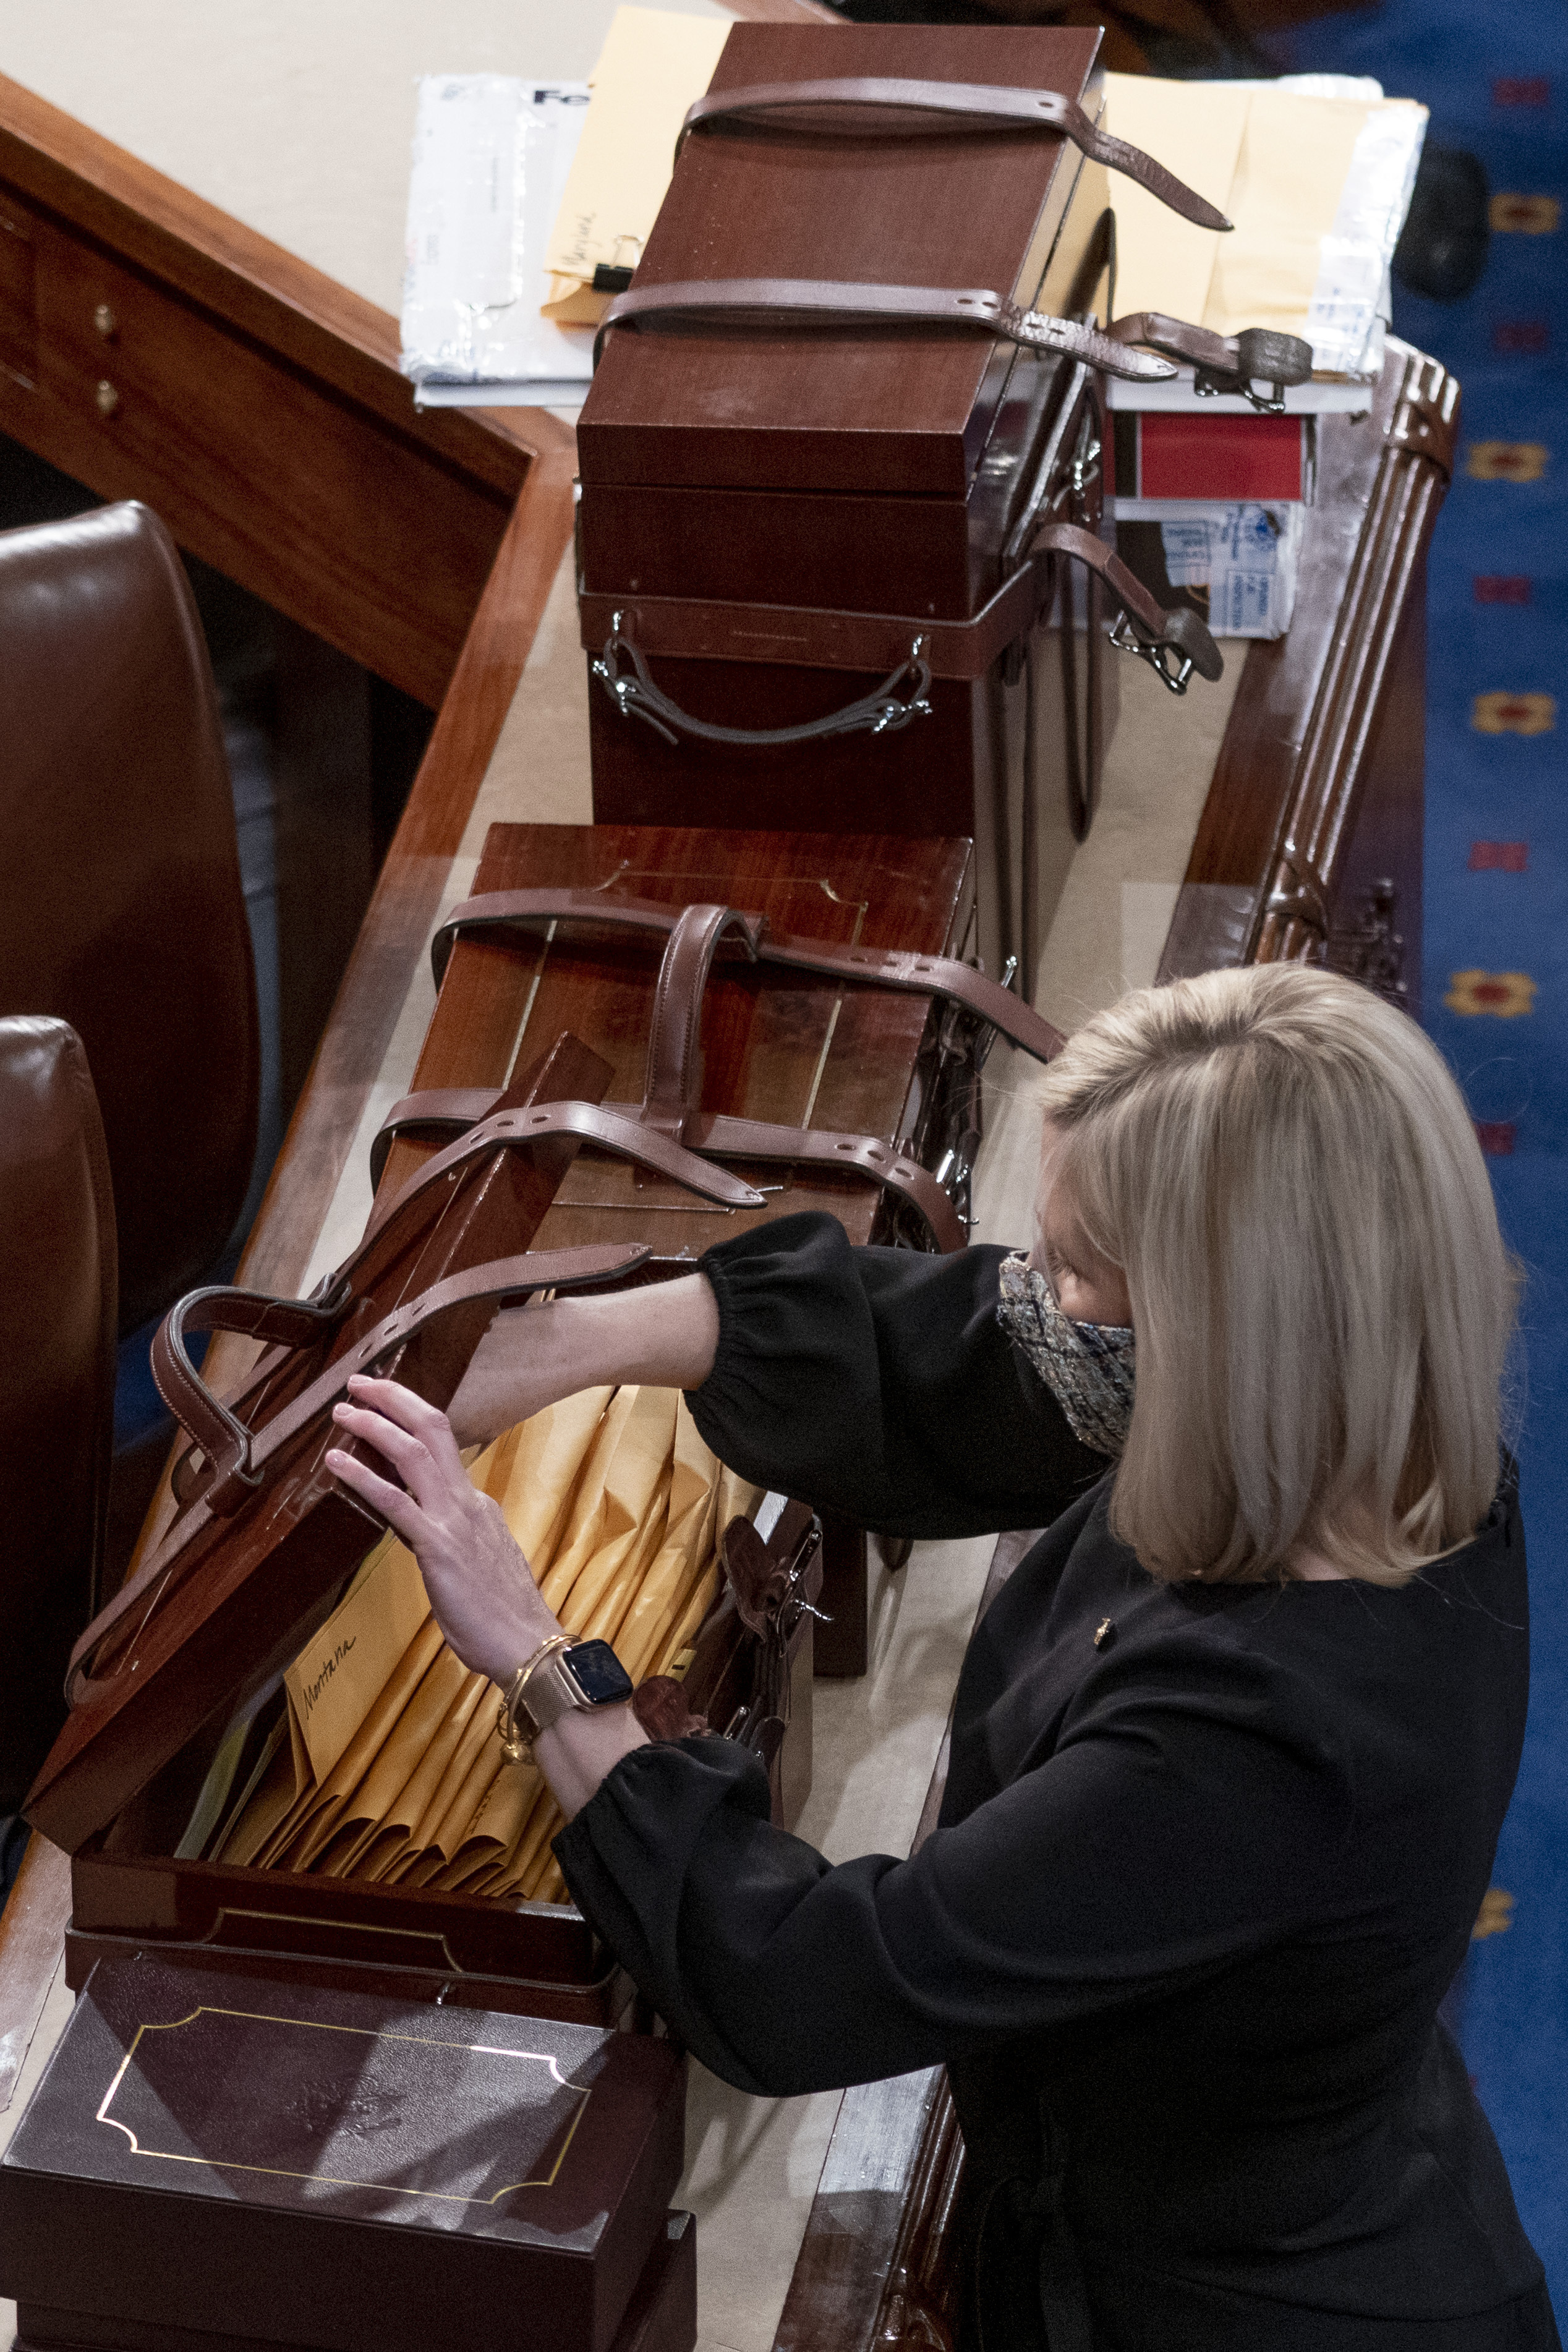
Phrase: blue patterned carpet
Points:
(1496, 964)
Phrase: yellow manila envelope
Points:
(1292, 167)
(534, 1470)
(685, 1550)
(1196, 128)
(454, 1702)
(1316, 182)
(375, 1807)
(316, 1816)
(578, 1533)
(334, 1682)
(637, 1487)
(464, 1787)
(652, 65)
(502, 1817)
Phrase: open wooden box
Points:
(786, 1046)
(131, 1894)
(793, 1048)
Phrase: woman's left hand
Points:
(481, 1586)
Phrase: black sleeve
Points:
(1162, 1843)
(877, 1383)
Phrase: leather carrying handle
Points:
(949, 106)
(671, 1102)
(1151, 632)
(1224, 363)
(292, 1323)
(222, 1436)
(672, 1089)
(636, 696)
(896, 967)
(500, 1280)
(769, 302)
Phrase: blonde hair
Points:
(1285, 1172)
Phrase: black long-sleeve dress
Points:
(1196, 1894)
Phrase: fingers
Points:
(407, 1411)
(434, 1477)
(407, 1454)
(399, 1509)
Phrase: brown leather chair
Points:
(120, 905)
(57, 1291)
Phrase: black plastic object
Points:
(1443, 248)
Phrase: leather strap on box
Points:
(806, 635)
(1224, 364)
(711, 630)
(769, 302)
(500, 1280)
(1173, 643)
(943, 977)
(450, 1110)
(673, 1086)
(293, 1323)
(947, 106)
(603, 1125)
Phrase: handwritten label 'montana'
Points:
(333, 1684)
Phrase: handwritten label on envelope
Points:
(333, 1684)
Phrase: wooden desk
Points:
(1320, 748)
(152, 348)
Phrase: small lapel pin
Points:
(1103, 1633)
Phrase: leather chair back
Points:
(121, 904)
(58, 1292)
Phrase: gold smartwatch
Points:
(561, 1677)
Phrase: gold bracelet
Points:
(517, 1748)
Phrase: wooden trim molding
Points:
(403, 910)
(32, 1936)
(871, 2273)
(1272, 857)
(154, 347)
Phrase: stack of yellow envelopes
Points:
(385, 1761)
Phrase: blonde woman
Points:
(1232, 1747)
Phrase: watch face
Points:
(599, 1672)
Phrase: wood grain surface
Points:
(152, 348)
(791, 1048)
(871, 411)
(32, 1927)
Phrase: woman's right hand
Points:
(663, 1333)
(481, 1586)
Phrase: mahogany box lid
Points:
(320, 2168)
(875, 410)
(795, 1048)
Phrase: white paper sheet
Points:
(491, 157)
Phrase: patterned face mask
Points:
(1088, 1367)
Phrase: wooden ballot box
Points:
(354, 1817)
(209, 2165)
(779, 522)
(790, 1048)
(272, 1749)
